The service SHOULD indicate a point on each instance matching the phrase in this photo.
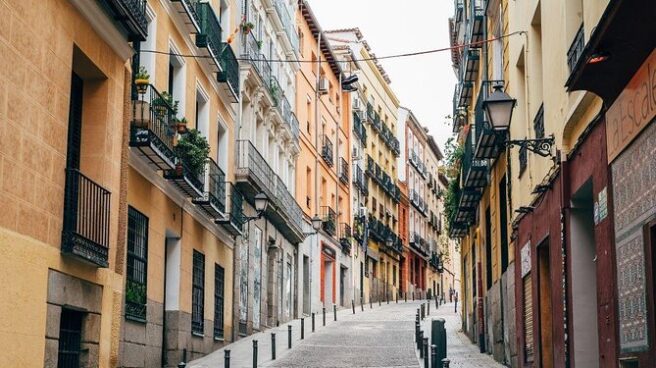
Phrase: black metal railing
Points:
(86, 218)
(576, 49)
(287, 23)
(370, 166)
(236, 206)
(210, 31)
(189, 9)
(359, 128)
(329, 217)
(190, 180)
(343, 170)
(132, 15)
(370, 112)
(327, 150)
(230, 68)
(216, 186)
(538, 122)
(152, 127)
(345, 237)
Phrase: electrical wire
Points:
(373, 58)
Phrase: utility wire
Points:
(376, 58)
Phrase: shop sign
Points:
(633, 110)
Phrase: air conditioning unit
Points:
(356, 104)
(363, 115)
(323, 85)
(362, 211)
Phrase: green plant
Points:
(135, 292)
(451, 200)
(259, 45)
(193, 150)
(142, 74)
(165, 100)
(246, 27)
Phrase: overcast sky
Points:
(424, 83)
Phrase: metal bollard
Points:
(353, 305)
(397, 298)
(226, 358)
(371, 303)
(437, 305)
(420, 342)
(422, 309)
(379, 302)
(324, 315)
(273, 346)
(428, 309)
(445, 363)
(302, 328)
(387, 297)
(254, 353)
(417, 329)
(312, 321)
(426, 356)
(413, 297)
(405, 296)
(289, 336)
(335, 311)
(434, 356)
(361, 304)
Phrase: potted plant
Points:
(141, 80)
(259, 45)
(163, 102)
(247, 27)
(181, 125)
(192, 151)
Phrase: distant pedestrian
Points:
(455, 309)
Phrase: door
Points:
(306, 285)
(342, 282)
(546, 315)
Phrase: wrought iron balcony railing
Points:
(151, 129)
(576, 49)
(345, 237)
(476, 22)
(370, 166)
(327, 150)
(329, 217)
(287, 23)
(486, 144)
(213, 200)
(343, 171)
(359, 129)
(229, 74)
(254, 175)
(209, 37)
(86, 219)
(370, 112)
(188, 10)
(288, 116)
(131, 15)
(234, 220)
(189, 180)
(474, 171)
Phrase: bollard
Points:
(335, 312)
(387, 297)
(379, 303)
(289, 336)
(422, 309)
(181, 365)
(438, 338)
(445, 363)
(361, 304)
(397, 298)
(420, 343)
(428, 309)
(434, 356)
(254, 353)
(353, 305)
(417, 329)
(226, 358)
(413, 297)
(273, 346)
(312, 321)
(371, 303)
(405, 296)
(436, 303)
(302, 328)
(426, 356)
(324, 315)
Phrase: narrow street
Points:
(382, 336)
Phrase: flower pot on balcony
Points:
(141, 114)
(181, 126)
(141, 80)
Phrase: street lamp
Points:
(316, 223)
(389, 242)
(499, 106)
(261, 204)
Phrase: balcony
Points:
(471, 64)
(359, 129)
(250, 49)
(358, 178)
(229, 74)
(188, 11)
(358, 228)
(487, 145)
(209, 37)
(378, 231)
(465, 94)
(343, 171)
(85, 232)
(234, 219)
(345, 237)
(476, 21)
(289, 117)
(287, 23)
(327, 150)
(474, 171)
(151, 130)
(370, 166)
(419, 244)
(397, 244)
(254, 175)
(329, 218)
(131, 15)
(188, 181)
(576, 49)
(213, 200)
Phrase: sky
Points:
(424, 84)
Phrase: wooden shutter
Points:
(528, 319)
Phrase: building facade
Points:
(267, 149)
(324, 170)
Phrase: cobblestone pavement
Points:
(378, 337)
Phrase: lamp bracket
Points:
(540, 146)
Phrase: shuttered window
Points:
(198, 294)
(528, 319)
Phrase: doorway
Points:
(342, 282)
(546, 309)
(306, 285)
(584, 279)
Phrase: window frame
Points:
(138, 224)
(198, 294)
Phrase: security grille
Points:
(198, 294)
(70, 333)
(137, 267)
(219, 281)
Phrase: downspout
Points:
(564, 227)
(317, 97)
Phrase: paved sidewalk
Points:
(459, 349)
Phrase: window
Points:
(70, 335)
(137, 267)
(394, 275)
(219, 283)
(198, 294)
